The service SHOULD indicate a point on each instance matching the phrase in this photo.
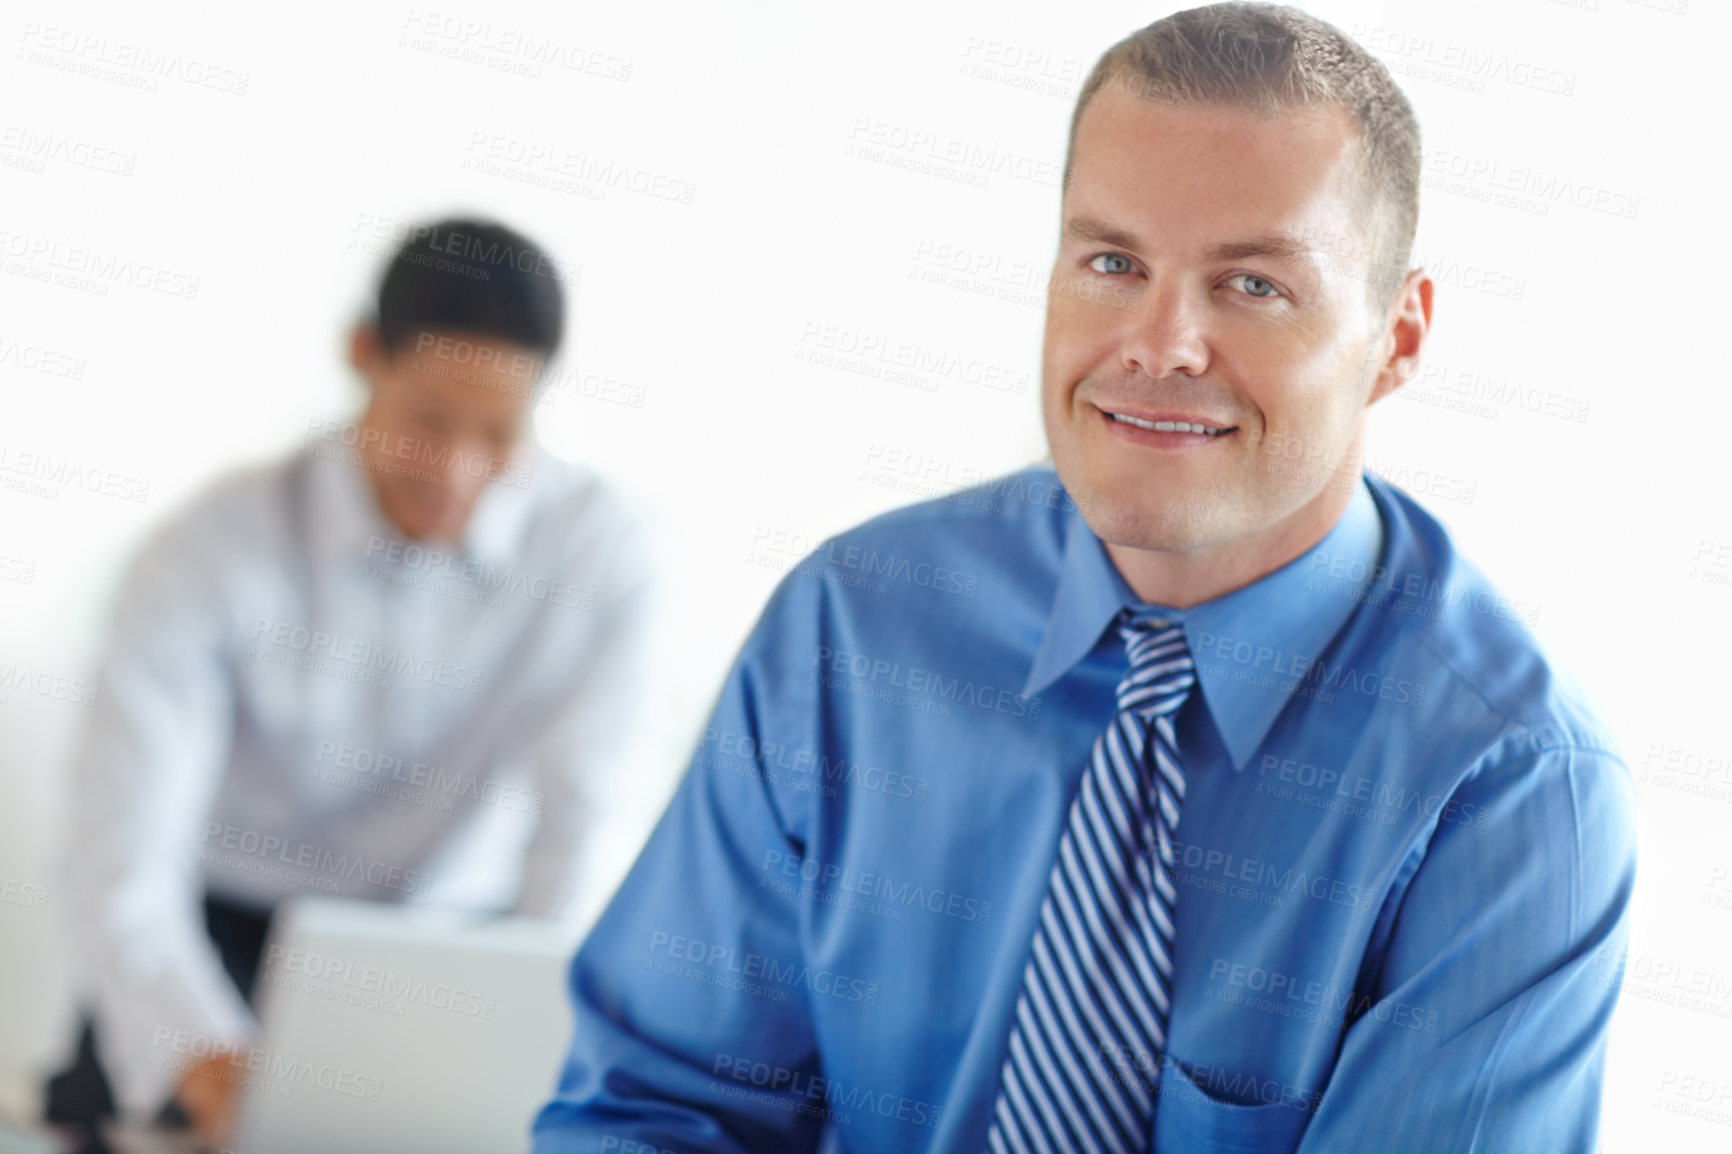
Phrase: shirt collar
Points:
(347, 520)
(1284, 611)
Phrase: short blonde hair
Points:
(1271, 58)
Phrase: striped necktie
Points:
(1091, 1019)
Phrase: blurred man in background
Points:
(399, 665)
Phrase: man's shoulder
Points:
(574, 493)
(580, 520)
(1025, 508)
(1476, 642)
(234, 509)
(220, 536)
(936, 571)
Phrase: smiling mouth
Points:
(1173, 426)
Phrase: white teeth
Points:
(1168, 426)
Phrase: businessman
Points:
(1233, 811)
(397, 665)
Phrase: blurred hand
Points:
(208, 1093)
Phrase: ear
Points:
(1405, 329)
(365, 352)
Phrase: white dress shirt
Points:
(296, 700)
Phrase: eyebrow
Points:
(1280, 245)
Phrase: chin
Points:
(422, 526)
(1142, 520)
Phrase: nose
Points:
(1165, 333)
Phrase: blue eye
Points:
(1123, 260)
(1254, 286)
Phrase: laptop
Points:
(396, 1029)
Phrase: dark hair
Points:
(1270, 58)
(475, 277)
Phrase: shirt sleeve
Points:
(666, 1018)
(1486, 1025)
(142, 784)
(584, 759)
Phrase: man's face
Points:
(451, 407)
(1183, 291)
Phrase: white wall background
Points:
(1617, 527)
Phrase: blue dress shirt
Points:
(1406, 855)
